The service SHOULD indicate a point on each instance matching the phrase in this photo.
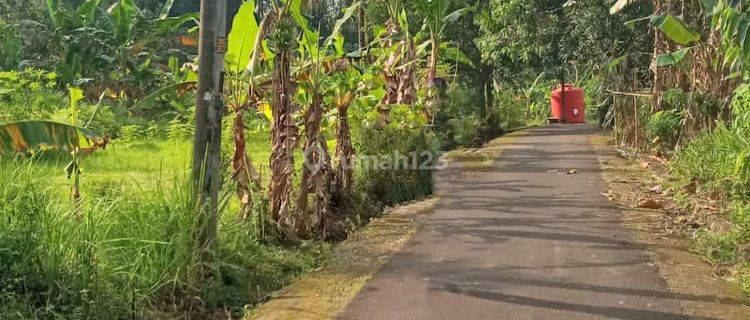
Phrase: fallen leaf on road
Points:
(661, 160)
(624, 154)
(706, 208)
(656, 189)
(650, 204)
(572, 171)
(610, 195)
(680, 220)
(692, 187)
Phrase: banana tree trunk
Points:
(390, 72)
(432, 68)
(432, 92)
(344, 180)
(660, 47)
(283, 140)
(406, 88)
(245, 174)
(316, 169)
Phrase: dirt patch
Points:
(660, 226)
(325, 293)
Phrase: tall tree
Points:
(522, 38)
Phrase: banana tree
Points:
(396, 27)
(282, 40)
(92, 47)
(242, 58)
(315, 81)
(344, 94)
(437, 19)
(38, 135)
(730, 19)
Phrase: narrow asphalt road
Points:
(516, 237)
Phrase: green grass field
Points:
(127, 250)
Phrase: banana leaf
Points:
(669, 59)
(242, 38)
(676, 30)
(39, 135)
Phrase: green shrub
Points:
(721, 248)
(179, 129)
(664, 128)
(131, 133)
(741, 111)
(712, 159)
(461, 117)
(154, 131)
(29, 94)
(508, 111)
(708, 105)
(674, 99)
(462, 131)
(389, 186)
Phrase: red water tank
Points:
(575, 106)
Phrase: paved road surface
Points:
(513, 240)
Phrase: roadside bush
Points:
(708, 105)
(720, 159)
(741, 111)
(718, 162)
(461, 118)
(663, 128)
(722, 248)
(674, 99)
(399, 163)
(462, 131)
(508, 110)
(712, 160)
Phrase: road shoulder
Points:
(352, 263)
(703, 294)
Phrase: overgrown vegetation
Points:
(98, 99)
(696, 115)
(125, 253)
(97, 111)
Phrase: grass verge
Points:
(665, 233)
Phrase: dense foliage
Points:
(350, 87)
(696, 115)
(390, 83)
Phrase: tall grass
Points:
(717, 163)
(123, 255)
(715, 160)
(117, 256)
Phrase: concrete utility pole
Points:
(209, 109)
